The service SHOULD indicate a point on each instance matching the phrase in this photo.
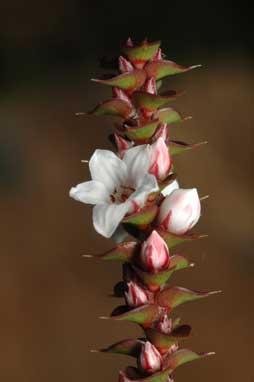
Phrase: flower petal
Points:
(137, 162)
(138, 198)
(108, 169)
(106, 217)
(170, 188)
(91, 192)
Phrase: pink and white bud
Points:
(150, 86)
(158, 55)
(124, 65)
(162, 132)
(120, 94)
(165, 325)
(154, 253)
(136, 296)
(121, 143)
(123, 377)
(129, 42)
(150, 359)
(160, 160)
(180, 211)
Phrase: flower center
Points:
(121, 194)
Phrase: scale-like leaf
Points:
(114, 107)
(122, 252)
(127, 81)
(183, 356)
(168, 115)
(163, 68)
(177, 147)
(143, 217)
(143, 315)
(139, 54)
(161, 376)
(143, 132)
(172, 297)
(172, 239)
(154, 280)
(131, 347)
(179, 262)
(151, 102)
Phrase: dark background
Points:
(50, 296)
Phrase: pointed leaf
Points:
(172, 239)
(143, 217)
(163, 342)
(175, 296)
(151, 102)
(122, 252)
(179, 262)
(114, 107)
(177, 147)
(161, 376)
(154, 280)
(139, 54)
(168, 115)
(143, 315)
(183, 356)
(127, 81)
(143, 132)
(163, 68)
(129, 347)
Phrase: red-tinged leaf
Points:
(180, 262)
(143, 315)
(172, 239)
(154, 281)
(142, 133)
(115, 107)
(183, 356)
(142, 53)
(168, 115)
(151, 102)
(143, 217)
(128, 81)
(131, 347)
(123, 252)
(172, 297)
(161, 376)
(177, 147)
(163, 68)
(163, 342)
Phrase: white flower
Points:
(180, 211)
(118, 186)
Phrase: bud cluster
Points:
(135, 193)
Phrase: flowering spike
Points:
(135, 192)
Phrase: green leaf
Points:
(168, 115)
(172, 239)
(141, 53)
(182, 356)
(122, 252)
(163, 68)
(129, 347)
(162, 341)
(143, 132)
(154, 280)
(143, 315)
(177, 147)
(151, 102)
(172, 297)
(143, 217)
(127, 81)
(179, 262)
(114, 107)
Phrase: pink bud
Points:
(120, 94)
(160, 160)
(124, 65)
(121, 143)
(154, 253)
(123, 377)
(165, 325)
(150, 359)
(158, 55)
(136, 296)
(150, 86)
(129, 42)
(180, 211)
(162, 132)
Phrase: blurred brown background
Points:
(50, 296)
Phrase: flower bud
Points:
(180, 211)
(162, 132)
(124, 65)
(165, 325)
(135, 296)
(150, 86)
(154, 253)
(160, 160)
(150, 359)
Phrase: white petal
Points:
(148, 185)
(106, 217)
(91, 192)
(108, 169)
(137, 162)
(119, 235)
(170, 188)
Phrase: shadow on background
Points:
(50, 296)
